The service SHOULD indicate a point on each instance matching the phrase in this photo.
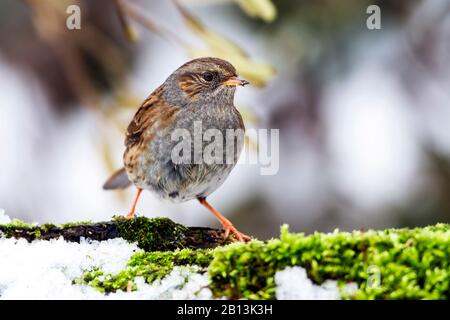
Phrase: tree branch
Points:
(158, 234)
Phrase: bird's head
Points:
(206, 80)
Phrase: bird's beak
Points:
(234, 81)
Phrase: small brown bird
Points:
(196, 98)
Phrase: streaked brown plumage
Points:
(200, 91)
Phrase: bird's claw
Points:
(238, 235)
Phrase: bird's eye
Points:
(208, 76)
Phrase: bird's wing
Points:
(146, 115)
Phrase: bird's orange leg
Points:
(227, 225)
(130, 215)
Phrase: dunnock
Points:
(199, 92)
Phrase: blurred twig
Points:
(150, 23)
(264, 9)
(129, 31)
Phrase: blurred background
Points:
(364, 115)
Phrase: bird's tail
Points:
(119, 180)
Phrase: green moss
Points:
(152, 234)
(74, 224)
(30, 230)
(148, 265)
(18, 228)
(16, 223)
(412, 264)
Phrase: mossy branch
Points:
(158, 234)
(405, 263)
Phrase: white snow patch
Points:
(45, 269)
(292, 283)
(182, 283)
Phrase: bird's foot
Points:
(227, 225)
(239, 235)
(130, 215)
